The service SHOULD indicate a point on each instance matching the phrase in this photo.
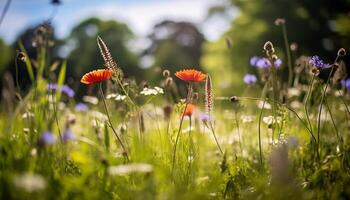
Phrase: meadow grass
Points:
(278, 145)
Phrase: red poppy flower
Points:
(190, 75)
(189, 110)
(96, 76)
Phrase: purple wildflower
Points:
(67, 90)
(263, 63)
(205, 117)
(47, 138)
(254, 60)
(81, 107)
(250, 79)
(68, 135)
(317, 62)
(278, 63)
(64, 89)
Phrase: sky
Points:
(140, 15)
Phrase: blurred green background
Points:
(314, 27)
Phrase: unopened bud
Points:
(268, 47)
(166, 73)
(21, 56)
(341, 52)
(280, 21)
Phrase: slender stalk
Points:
(55, 114)
(289, 57)
(259, 132)
(275, 92)
(189, 93)
(125, 153)
(321, 106)
(332, 119)
(305, 107)
(216, 140)
(239, 134)
(270, 100)
(4, 11)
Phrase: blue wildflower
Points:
(68, 135)
(250, 79)
(317, 62)
(81, 107)
(263, 63)
(254, 60)
(47, 138)
(64, 89)
(205, 117)
(278, 63)
(67, 90)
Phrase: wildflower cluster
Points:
(264, 63)
(152, 91)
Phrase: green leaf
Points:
(27, 62)
(61, 79)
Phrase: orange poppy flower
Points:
(190, 75)
(189, 110)
(96, 76)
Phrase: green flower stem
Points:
(125, 153)
(306, 110)
(188, 98)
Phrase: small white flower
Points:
(120, 97)
(90, 99)
(27, 115)
(111, 96)
(152, 91)
(269, 120)
(160, 90)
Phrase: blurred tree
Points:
(175, 45)
(83, 52)
(317, 26)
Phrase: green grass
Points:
(92, 166)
